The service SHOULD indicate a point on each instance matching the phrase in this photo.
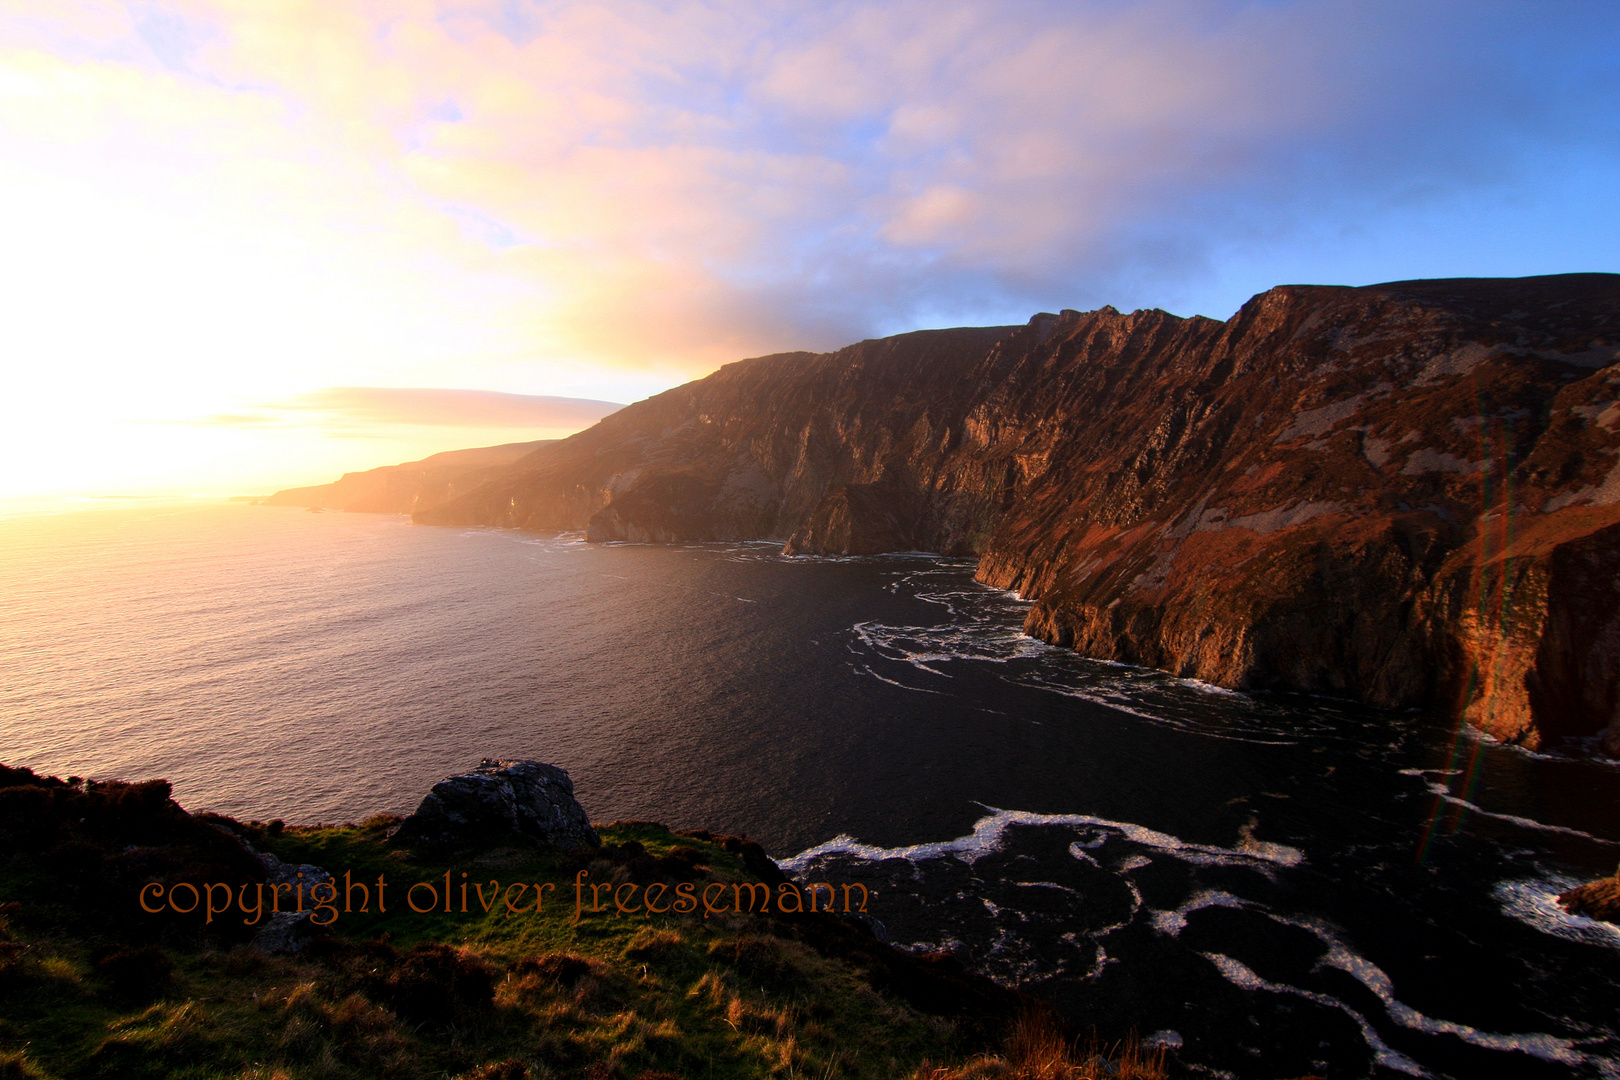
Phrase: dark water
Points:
(1274, 887)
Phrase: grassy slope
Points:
(531, 995)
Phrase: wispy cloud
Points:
(692, 182)
(348, 408)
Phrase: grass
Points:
(493, 995)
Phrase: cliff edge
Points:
(1407, 494)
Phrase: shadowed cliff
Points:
(415, 485)
(1406, 493)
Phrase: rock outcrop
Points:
(1407, 493)
(1598, 899)
(412, 486)
(527, 801)
(288, 931)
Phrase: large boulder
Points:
(288, 931)
(499, 801)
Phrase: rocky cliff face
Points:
(1407, 493)
(413, 486)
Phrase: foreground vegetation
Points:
(91, 985)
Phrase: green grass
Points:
(728, 996)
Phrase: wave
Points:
(1241, 976)
(1444, 792)
(1534, 902)
(923, 645)
(1341, 957)
(892, 682)
(989, 831)
(1531, 901)
(1536, 1044)
(1172, 923)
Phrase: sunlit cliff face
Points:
(212, 209)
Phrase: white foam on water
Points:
(1212, 690)
(1242, 977)
(989, 830)
(1167, 1037)
(922, 645)
(1116, 697)
(1370, 975)
(1079, 852)
(1172, 923)
(892, 682)
(980, 630)
(1340, 956)
(1100, 958)
(1586, 749)
(1534, 902)
(1281, 854)
(1100, 961)
(1514, 819)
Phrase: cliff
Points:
(1405, 493)
(414, 485)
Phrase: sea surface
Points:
(1272, 886)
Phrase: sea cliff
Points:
(1406, 494)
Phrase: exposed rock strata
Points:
(412, 486)
(1407, 493)
(527, 800)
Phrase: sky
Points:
(252, 245)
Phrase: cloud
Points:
(494, 186)
(370, 405)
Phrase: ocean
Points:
(1270, 884)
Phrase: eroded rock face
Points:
(1407, 493)
(500, 800)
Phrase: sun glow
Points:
(181, 255)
